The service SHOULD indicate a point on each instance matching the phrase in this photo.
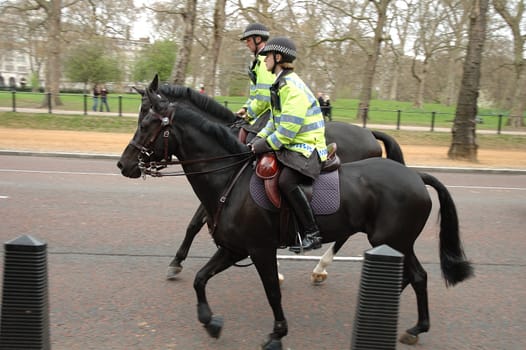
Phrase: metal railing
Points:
(129, 104)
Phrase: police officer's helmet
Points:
(255, 29)
(282, 45)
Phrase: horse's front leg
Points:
(267, 267)
(195, 225)
(220, 261)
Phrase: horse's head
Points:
(150, 142)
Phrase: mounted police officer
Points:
(256, 110)
(296, 132)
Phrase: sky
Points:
(142, 28)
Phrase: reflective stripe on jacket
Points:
(299, 125)
(259, 98)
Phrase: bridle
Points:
(153, 168)
(164, 128)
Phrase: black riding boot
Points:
(303, 211)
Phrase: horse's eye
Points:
(143, 125)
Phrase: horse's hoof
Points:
(272, 344)
(281, 278)
(215, 326)
(318, 278)
(173, 271)
(408, 339)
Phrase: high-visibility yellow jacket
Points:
(259, 98)
(297, 122)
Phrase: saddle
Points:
(268, 169)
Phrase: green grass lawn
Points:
(380, 111)
(128, 103)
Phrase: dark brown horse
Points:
(382, 198)
(354, 143)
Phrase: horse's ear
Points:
(154, 85)
(140, 91)
(153, 97)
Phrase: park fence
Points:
(123, 104)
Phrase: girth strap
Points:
(224, 197)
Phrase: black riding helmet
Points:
(255, 29)
(282, 45)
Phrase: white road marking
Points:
(56, 172)
(490, 188)
(316, 258)
(496, 188)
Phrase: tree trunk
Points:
(463, 145)
(393, 91)
(449, 94)
(372, 59)
(219, 27)
(519, 101)
(54, 61)
(183, 56)
(367, 85)
(419, 98)
(514, 22)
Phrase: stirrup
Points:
(315, 243)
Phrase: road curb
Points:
(435, 169)
(59, 154)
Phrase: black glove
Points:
(260, 145)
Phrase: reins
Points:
(154, 168)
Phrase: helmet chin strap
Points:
(275, 62)
(255, 45)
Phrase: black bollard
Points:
(376, 320)
(24, 322)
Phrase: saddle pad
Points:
(325, 194)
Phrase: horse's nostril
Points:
(119, 165)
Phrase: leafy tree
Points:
(89, 63)
(158, 58)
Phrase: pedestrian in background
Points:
(96, 94)
(104, 99)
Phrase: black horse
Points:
(382, 198)
(354, 143)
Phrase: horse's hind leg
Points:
(220, 261)
(319, 274)
(415, 274)
(195, 225)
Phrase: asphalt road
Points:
(110, 240)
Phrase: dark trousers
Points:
(289, 179)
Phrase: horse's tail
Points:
(392, 148)
(455, 267)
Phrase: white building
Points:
(14, 69)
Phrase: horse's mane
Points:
(201, 101)
(221, 133)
